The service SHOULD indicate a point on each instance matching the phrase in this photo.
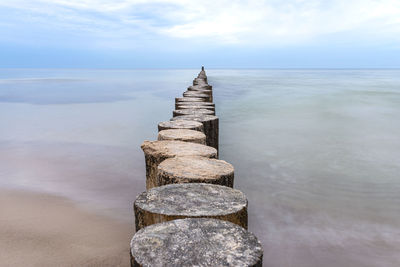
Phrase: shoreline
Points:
(39, 229)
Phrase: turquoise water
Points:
(317, 152)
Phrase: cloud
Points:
(219, 22)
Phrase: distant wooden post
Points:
(194, 106)
(181, 124)
(193, 111)
(206, 105)
(193, 94)
(199, 87)
(188, 99)
(195, 242)
(201, 91)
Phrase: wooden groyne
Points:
(190, 214)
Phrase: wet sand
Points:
(44, 230)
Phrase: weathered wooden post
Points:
(194, 106)
(202, 104)
(157, 151)
(179, 170)
(188, 99)
(195, 242)
(199, 81)
(210, 124)
(201, 91)
(192, 94)
(200, 87)
(179, 201)
(182, 135)
(181, 124)
(193, 111)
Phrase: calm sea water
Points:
(316, 151)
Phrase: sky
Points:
(190, 33)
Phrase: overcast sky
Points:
(189, 33)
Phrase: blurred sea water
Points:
(317, 152)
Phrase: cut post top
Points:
(194, 199)
(195, 242)
(168, 149)
(181, 124)
(195, 168)
(196, 117)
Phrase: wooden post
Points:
(195, 242)
(180, 170)
(182, 135)
(194, 106)
(205, 97)
(199, 87)
(210, 124)
(188, 99)
(206, 105)
(179, 201)
(201, 91)
(181, 124)
(193, 111)
(199, 81)
(157, 151)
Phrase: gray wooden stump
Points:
(205, 104)
(188, 99)
(194, 111)
(199, 81)
(181, 124)
(210, 124)
(157, 151)
(179, 201)
(184, 135)
(179, 170)
(200, 87)
(202, 75)
(194, 106)
(195, 242)
(201, 91)
(206, 98)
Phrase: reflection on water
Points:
(316, 151)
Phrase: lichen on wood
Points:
(195, 242)
(179, 201)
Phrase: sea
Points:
(316, 151)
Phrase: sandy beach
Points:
(44, 230)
